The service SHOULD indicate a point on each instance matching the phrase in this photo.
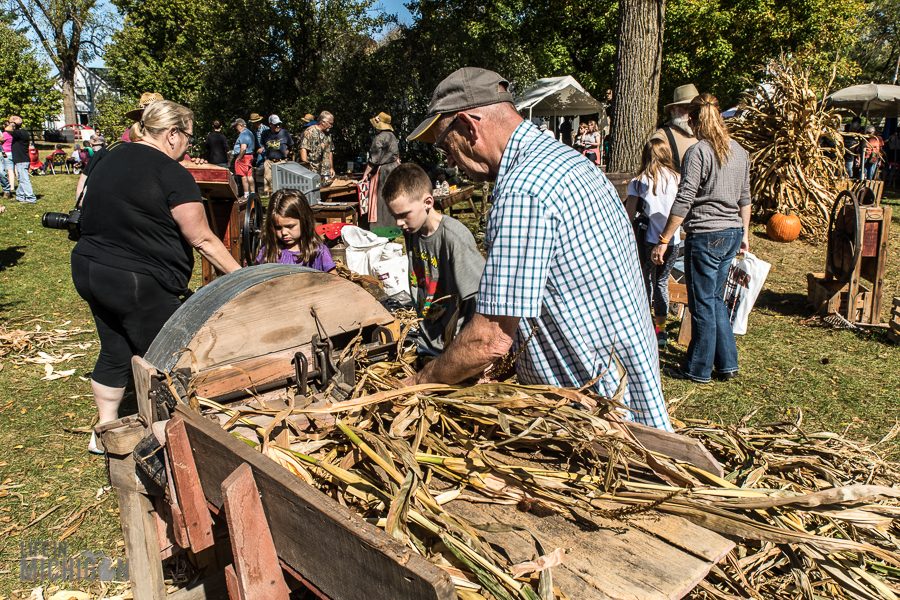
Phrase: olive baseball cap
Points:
(469, 87)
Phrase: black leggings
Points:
(129, 310)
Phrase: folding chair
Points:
(59, 161)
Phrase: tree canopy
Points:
(27, 86)
(226, 58)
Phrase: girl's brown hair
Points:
(291, 204)
(710, 126)
(655, 161)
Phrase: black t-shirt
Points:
(127, 221)
(277, 144)
(92, 162)
(20, 145)
(217, 144)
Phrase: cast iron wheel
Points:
(845, 231)
(251, 230)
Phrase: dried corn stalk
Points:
(814, 514)
(796, 152)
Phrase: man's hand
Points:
(485, 339)
(659, 251)
(259, 150)
(332, 172)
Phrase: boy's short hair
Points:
(410, 180)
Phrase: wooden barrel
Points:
(261, 310)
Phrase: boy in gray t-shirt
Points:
(445, 265)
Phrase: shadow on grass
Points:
(10, 257)
(788, 305)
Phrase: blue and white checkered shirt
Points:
(562, 257)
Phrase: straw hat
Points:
(307, 118)
(683, 96)
(382, 122)
(147, 98)
(255, 118)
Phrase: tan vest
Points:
(682, 142)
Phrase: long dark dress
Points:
(383, 156)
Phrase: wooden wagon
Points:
(260, 530)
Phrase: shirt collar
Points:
(515, 148)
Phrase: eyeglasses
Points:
(190, 137)
(440, 138)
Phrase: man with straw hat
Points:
(258, 129)
(677, 132)
(561, 282)
(384, 156)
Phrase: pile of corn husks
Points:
(785, 133)
(813, 514)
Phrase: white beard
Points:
(681, 124)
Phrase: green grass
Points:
(783, 368)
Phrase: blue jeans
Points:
(707, 259)
(869, 170)
(24, 193)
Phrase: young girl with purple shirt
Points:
(291, 237)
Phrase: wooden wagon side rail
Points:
(353, 559)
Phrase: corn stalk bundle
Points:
(814, 514)
(785, 132)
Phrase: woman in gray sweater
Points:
(713, 206)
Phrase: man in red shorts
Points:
(243, 156)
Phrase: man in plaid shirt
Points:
(561, 255)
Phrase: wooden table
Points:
(443, 203)
(336, 212)
(342, 190)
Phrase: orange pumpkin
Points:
(783, 228)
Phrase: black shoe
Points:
(675, 373)
(725, 376)
(662, 338)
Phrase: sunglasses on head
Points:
(440, 138)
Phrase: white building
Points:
(89, 82)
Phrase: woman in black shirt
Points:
(142, 219)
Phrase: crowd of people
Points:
(866, 152)
(568, 275)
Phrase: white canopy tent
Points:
(554, 96)
(560, 96)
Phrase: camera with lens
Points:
(70, 221)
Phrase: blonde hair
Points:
(159, 117)
(710, 126)
(655, 161)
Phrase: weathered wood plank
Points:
(255, 560)
(143, 372)
(329, 545)
(191, 500)
(614, 562)
(676, 446)
(281, 318)
(141, 545)
(229, 381)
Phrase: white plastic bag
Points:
(393, 269)
(745, 280)
(364, 249)
(393, 274)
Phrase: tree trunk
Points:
(636, 81)
(67, 78)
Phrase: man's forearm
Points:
(480, 343)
